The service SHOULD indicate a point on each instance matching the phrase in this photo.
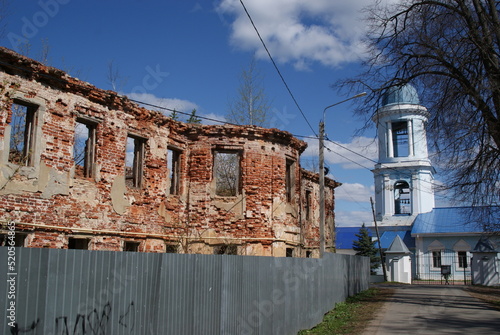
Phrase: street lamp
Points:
(322, 174)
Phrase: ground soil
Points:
(488, 294)
(369, 308)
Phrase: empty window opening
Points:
(78, 243)
(400, 141)
(134, 160)
(22, 137)
(16, 240)
(226, 249)
(436, 259)
(289, 252)
(171, 249)
(308, 254)
(131, 246)
(462, 259)
(402, 198)
(84, 148)
(289, 180)
(174, 170)
(227, 173)
(308, 205)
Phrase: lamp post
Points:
(322, 174)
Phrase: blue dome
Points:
(406, 94)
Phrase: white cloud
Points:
(298, 31)
(354, 218)
(214, 117)
(184, 106)
(360, 153)
(180, 105)
(354, 192)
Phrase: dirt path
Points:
(427, 309)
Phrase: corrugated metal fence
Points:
(97, 292)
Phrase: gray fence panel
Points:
(206, 295)
(98, 292)
(178, 277)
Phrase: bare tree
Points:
(115, 78)
(44, 52)
(449, 50)
(19, 150)
(310, 163)
(227, 173)
(251, 105)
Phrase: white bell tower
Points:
(403, 174)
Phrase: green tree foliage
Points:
(364, 246)
(193, 118)
(174, 115)
(252, 105)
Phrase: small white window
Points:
(462, 259)
(436, 259)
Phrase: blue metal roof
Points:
(388, 237)
(405, 94)
(346, 235)
(398, 247)
(449, 220)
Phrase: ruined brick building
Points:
(85, 168)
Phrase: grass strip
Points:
(353, 315)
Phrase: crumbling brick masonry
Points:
(85, 168)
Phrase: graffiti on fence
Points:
(95, 322)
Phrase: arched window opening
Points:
(402, 198)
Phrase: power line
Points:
(350, 160)
(183, 113)
(215, 120)
(277, 69)
(374, 161)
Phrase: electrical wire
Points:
(225, 122)
(374, 161)
(183, 113)
(277, 69)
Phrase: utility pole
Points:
(322, 175)
(379, 246)
(321, 189)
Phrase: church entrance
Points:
(442, 267)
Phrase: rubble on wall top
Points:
(22, 66)
(314, 176)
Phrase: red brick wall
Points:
(50, 202)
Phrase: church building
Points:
(430, 239)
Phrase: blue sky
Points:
(189, 54)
